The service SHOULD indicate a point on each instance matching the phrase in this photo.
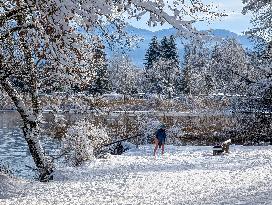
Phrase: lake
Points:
(14, 151)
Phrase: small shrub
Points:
(83, 141)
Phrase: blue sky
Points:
(235, 21)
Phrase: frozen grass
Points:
(184, 175)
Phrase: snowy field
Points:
(184, 175)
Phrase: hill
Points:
(137, 54)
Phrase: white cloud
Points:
(235, 21)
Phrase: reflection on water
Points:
(14, 151)
(13, 148)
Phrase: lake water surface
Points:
(14, 152)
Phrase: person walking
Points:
(160, 137)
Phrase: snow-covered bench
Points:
(223, 148)
(217, 150)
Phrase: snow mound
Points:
(9, 187)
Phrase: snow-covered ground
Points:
(184, 175)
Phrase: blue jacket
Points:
(161, 135)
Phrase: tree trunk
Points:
(29, 115)
(31, 133)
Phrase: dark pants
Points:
(161, 142)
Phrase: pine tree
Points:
(152, 54)
(174, 56)
(168, 50)
(174, 51)
(162, 67)
(169, 68)
(151, 57)
(165, 51)
(186, 71)
(100, 84)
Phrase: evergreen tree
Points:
(165, 51)
(186, 71)
(151, 57)
(169, 66)
(152, 54)
(168, 50)
(100, 84)
(174, 51)
(174, 56)
(162, 67)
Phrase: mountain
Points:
(137, 54)
(242, 39)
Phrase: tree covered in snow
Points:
(151, 56)
(260, 83)
(100, 84)
(267, 67)
(224, 68)
(166, 77)
(162, 67)
(229, 68)
(34, 33)
(83, 141)
(196, 77)
(261, 20)
(169, 52)
(186, 71)
(261, 61)
(124, 76)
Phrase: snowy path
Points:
(185, 175)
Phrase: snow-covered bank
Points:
(184, 175)
(10, 187)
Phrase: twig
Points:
(35, 169)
